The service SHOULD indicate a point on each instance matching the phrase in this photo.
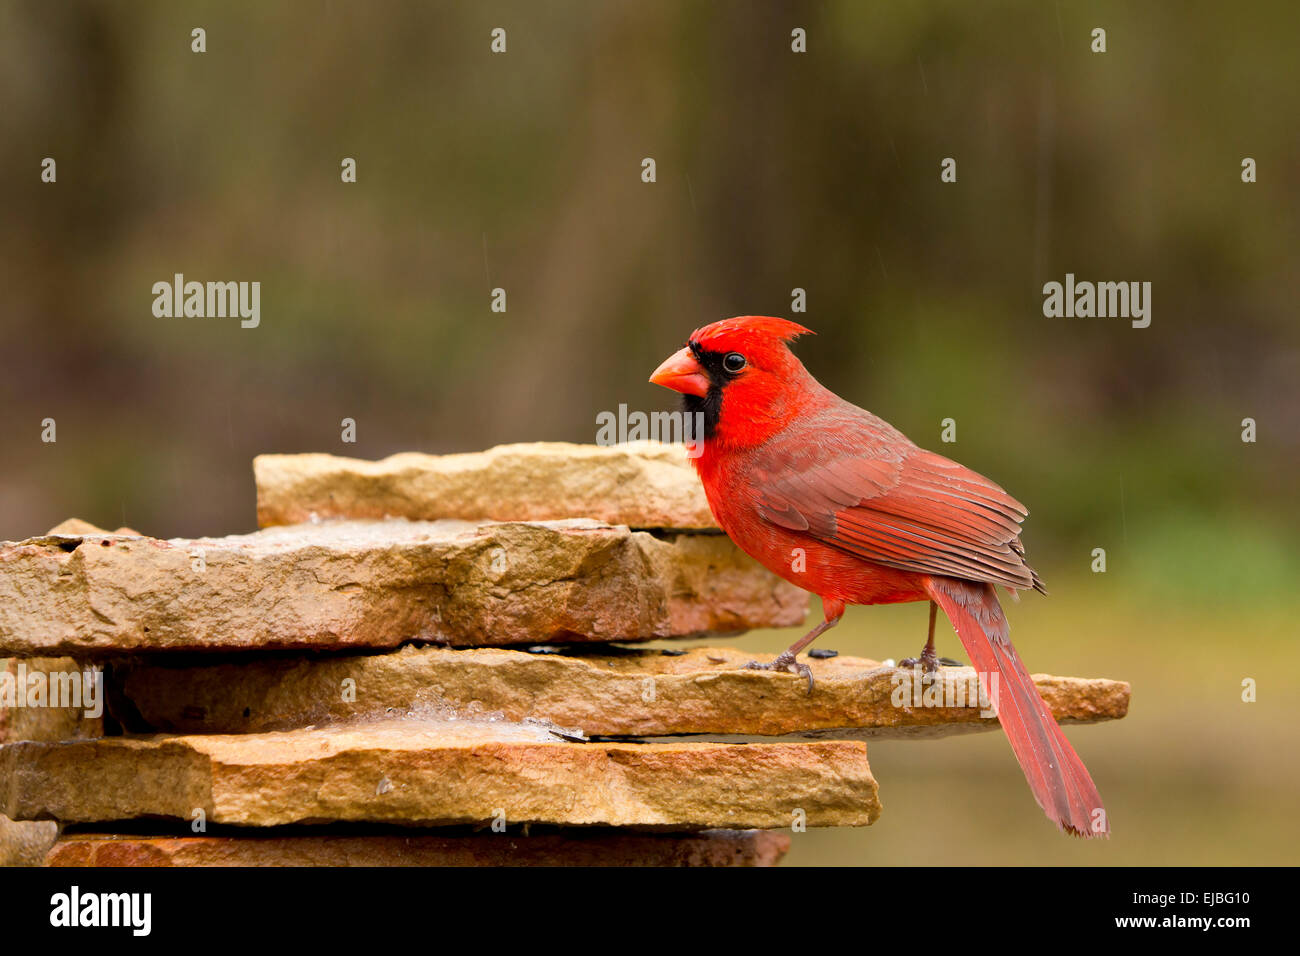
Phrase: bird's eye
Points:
(733, 362)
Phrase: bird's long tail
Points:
(1059, 780)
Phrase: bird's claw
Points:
(785, 664)
(928, 662)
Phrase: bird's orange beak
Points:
(682, 374)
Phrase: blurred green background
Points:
(775, 170)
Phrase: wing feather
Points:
(858, 485)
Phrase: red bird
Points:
(842, 504)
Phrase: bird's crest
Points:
(749, 327)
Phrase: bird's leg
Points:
(785, 661)
(928, 660)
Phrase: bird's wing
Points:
(867, 491)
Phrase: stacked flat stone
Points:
(432, 654)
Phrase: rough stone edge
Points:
(571, 848)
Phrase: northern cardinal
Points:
(842, 504)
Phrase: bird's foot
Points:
(928, 662)
(784, 662)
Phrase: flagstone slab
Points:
(337, 585)
(601, 847)
(438, 772)
(643, 484)
(633, 693)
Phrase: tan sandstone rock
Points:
(75, 526)
(26, 843)
(34, 690)
(642, 484)
(639, 693)
(595, 847)
(355, 584)
(424, 772)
